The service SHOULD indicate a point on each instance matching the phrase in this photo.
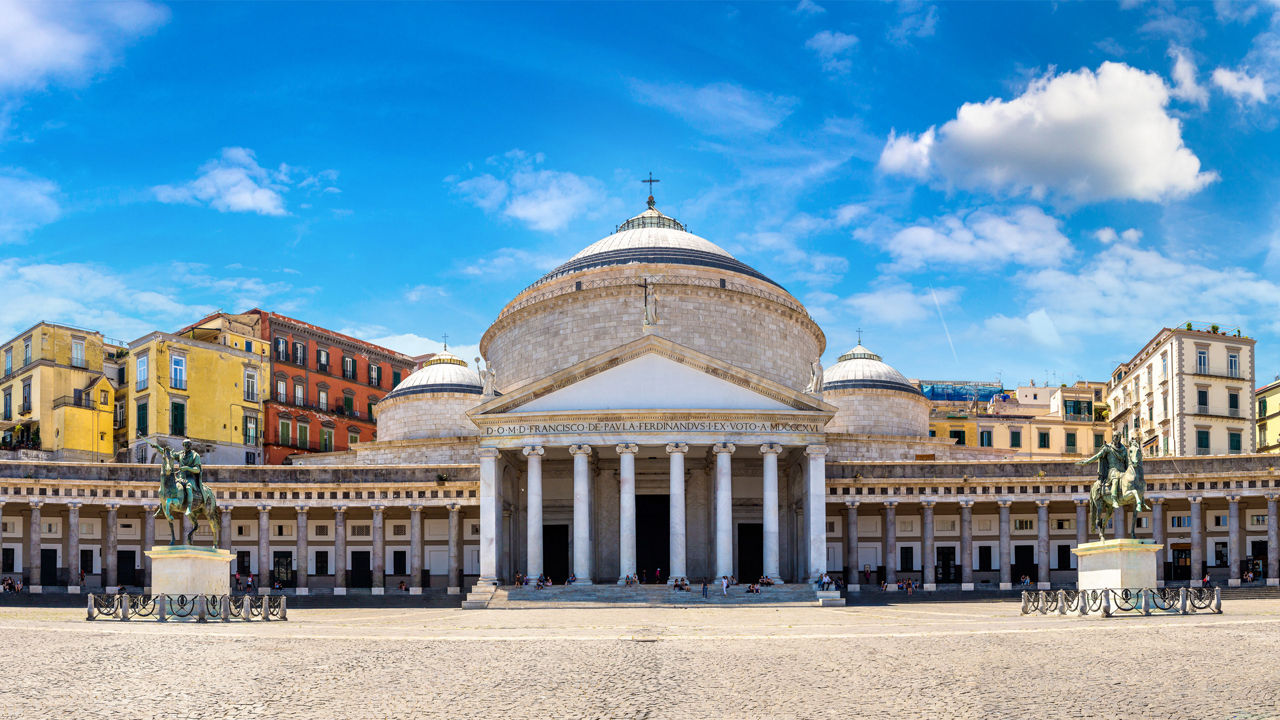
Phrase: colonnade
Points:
(815, 489)
(111, 543)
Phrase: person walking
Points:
(724, 585)
(704, 589)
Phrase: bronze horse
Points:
(177, 492)
(1125, 487)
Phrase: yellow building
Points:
(1268, 399)
(204, 384)
(1033, 422)
(54, 394)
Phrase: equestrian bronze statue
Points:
(1120, 483)
(181, 488)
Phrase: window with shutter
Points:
(177, 419)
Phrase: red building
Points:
(323, 386)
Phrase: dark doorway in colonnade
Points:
(750, 552)
(126, 573)
(653, 535)
(1024, 563)
(49, 567)
(555, 552)
(946, 570)
(1180, 568)
(361, 574)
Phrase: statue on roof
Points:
(650, 303)
(815, 378)
(488, 378)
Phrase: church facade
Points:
(653, 407)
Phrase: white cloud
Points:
(233, 182)
(1240, 85)
(1126, 291)
(1107, 236)
(832, 48)
(907, 155)
(418, 293)
(546, 200)
(89, 296)
(504, 262)
(1185, 87)
(1024, 235)
(718, 108)
(894, 302)
(26, 203)
(1036, 325)
(916, 20)
(1082, 135)
(809, 7)
(411, 344)
(44, 42)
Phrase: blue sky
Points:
(1012, 190)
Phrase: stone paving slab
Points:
(978, 660)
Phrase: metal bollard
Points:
(1182, 600)
(162, 607)
(244, 608)
(1106, 603)
(1217, 600)
(1025, 597)
(225, 601)
(89, 608)
(284, 608)
(1062, 602)
(1146, 600)
(202, 608)
(1083, 610)
(266, 608)
(123, 599)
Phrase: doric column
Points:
(1042, 544)
(891, 544)
(1233, 540)
(264, 549)
(1273, 543)
(724, 508)
(581, 513)
(73, 547)
(340, 550)
(533, 536)
(1157, 534)
(110, 579)
(1082, 521)
(1197, 542)
(149, 511)
(415, 549)
(769, 452)
(379, 550)
(817, 520)
(35, 531)
(301, 553)
(626, 511)
(454, 583)
(966, 544)
(224, 532)
(678, 569)
(851, 579)
(928, 554)
(1006, 571)
(489, 516)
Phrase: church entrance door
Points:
(653, 535)
(750, 552)
(555, 552)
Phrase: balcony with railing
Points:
(1218, 371)
(251, 396)
(178, 382)
(84, 401)
(24, 408)
(79, 362)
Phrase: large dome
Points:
(703, 298)
(432, 402)
(652, 237)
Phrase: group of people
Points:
(541, 581)
(907, 584)
(681, 584)
(827, 582)
(10, 585)
(244, 584)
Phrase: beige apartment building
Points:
(1032, 422)
(1189, 391)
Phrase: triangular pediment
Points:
(652, 373)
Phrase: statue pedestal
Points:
(190, 570)
(1124, 563)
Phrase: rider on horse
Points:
(1109, 457)
(188, 469)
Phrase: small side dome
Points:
(444, 373)
(860, 368)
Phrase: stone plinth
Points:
(190, 570)
(1123, 563)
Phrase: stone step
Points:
(646, 596)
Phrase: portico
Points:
(653, 418)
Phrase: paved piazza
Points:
(916, 660)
